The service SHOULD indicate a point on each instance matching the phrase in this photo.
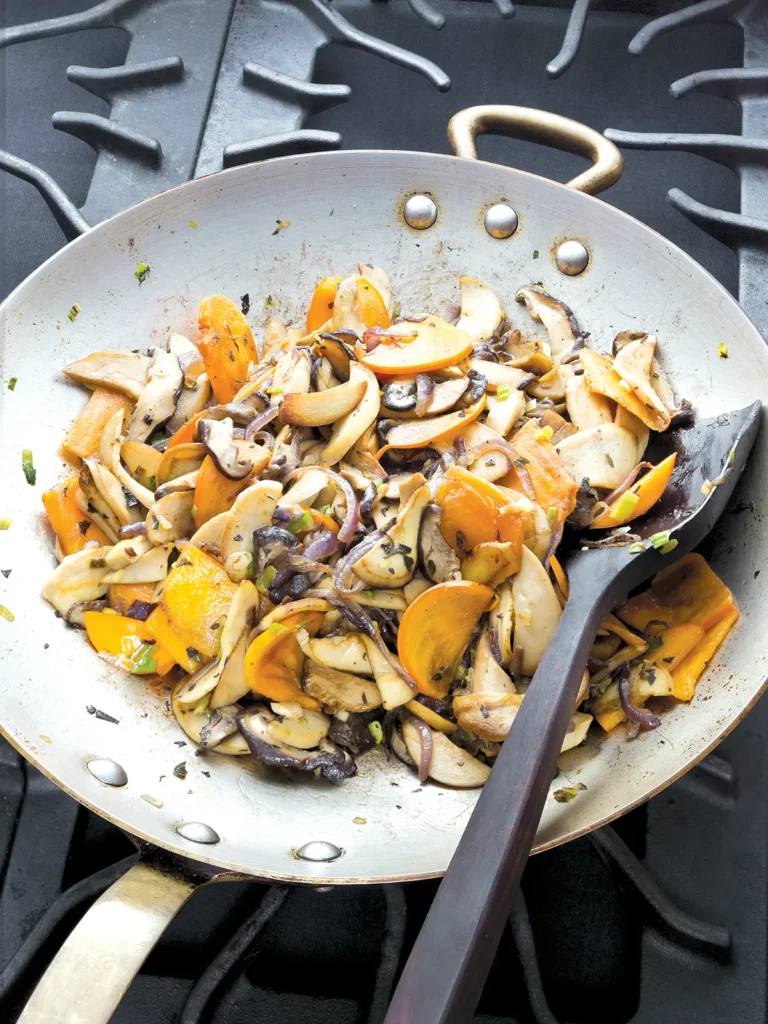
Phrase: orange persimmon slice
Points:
(553, 485)
(321, 305)
(122, 637)
(435, 630)
(436, 344)
(418, 433)
(274, 663)
(226, 345)
(475, 511)
(648, 490)
(688, 671)
(123, 595)
(84, 436)
(196, 595)
(686, 591)
(161, 629)
(602, 378)
(215, 493)
(71, 525)
(676, 643)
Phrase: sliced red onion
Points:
(260, 421)
(425, 389)
(627, 483)
(352, 518)
(132, 530)
(425, 761)
(343, 570)
(375, 335)
(322, 546)
(554, 541)
(644, 719)
(264, 436)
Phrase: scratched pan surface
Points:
(342, 207)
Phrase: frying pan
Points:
(220, 234)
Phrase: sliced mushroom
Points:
(319, 408)
(335, 347)
(125, 552)
(390, 562)
(537, 611)
(481, 311)
(399, 395)
(350, 428)
(124, 371)
(502, 375)
(185, 482)
(636, 427)
(171, 518)
(178, 460)
(379, 278)
(394, 600)
(270, 543)
(304, 604)
(529, 354)
(157, 400)
(345, 653)
(393, 688)
(193, 399)
(577, 731)
(604, 455)
(305, 489)
(221, 724)
(565, 335)
(634, 365)
(503, 415)
(437, 558)
(253, 510)
(501, 620)
(209, 534)
(345, 315)
(81, 577)
(91, 502)
(232, 684)
(449, 764)
(149, 568)
(491, 562)
(217, 437)
(487, 715)
(487, 674)
(644, 682)
(340, 691)
(142, 461)
(109, 453)
(193, 726)
(304, 731)
(586, 408)
(109, 487)
(328, 760)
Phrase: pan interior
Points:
(340, 208)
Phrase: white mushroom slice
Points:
(305, 489)
(171, 518)
(529, 353)
(577, 731)
(644, 682)
(437, 558)
(481, 311)
(541, 536)
(319, 408)
(185, 482)
(252, 509)
(604, 455)
(124, 371)
(181, 459)
(299, 379)
(210, 532)
(193, 725)
(275, 333)
(304, 732)
(141, 460)
(502, 375)
(125, 552)
(634, 364)
(565, 335)
(217, 437)
(109, 453)
(112, 493)
(490, 716)
(157, 400)
(390, 562)
(394, 690)
(450, 765)
(149, 568)
(501, 620)
(354, 424)
(502, 416)
(192, 400)
(91, 503)
(345, 314)
(416, 587)
(394, 600)
(379, 278)
(80, 577)
(586, 408)
(325, 376)
(537, 611)
(340, 691)
(232, 684)
(635, 426)
(305, 604)
(345, 653)
(487, 674)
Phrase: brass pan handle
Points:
(540, 126)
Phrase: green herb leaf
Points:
(565, 795)
(7, 613)
(180, 771)
(551, 517)
(264, 581)
(151, 484)
(141, 272)
(28, 467)
(144, 660)
(374, 728)
(12, 383)
(273, 391)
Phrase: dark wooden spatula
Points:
(445, 973)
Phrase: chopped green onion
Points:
(28, 467)
(325, 509)
(374, 728)
(625, 506)
(72, 314)
(152, 800)
(202, 705)
(5, 524)
(97, 563)
(7, 613)
(660, 539)
(194, 511)
(636, 549)
(551, 517)
(722, 350)
(369, 593)
(12, 383)
(565, 795)
(669, 547)
(535, 254)
(273, 390)
(342, 715)
(144, 660)
(502, 393)
(264, 581)
(151, 484)
(301, 523)
(141, 272)
(193, 223)
(731, 456)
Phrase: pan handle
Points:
(93, 969)
(540, 126)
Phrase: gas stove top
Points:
(660, 918)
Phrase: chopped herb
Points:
(84, 526)
(193, 653)
(369, 593)
(551, 517)
(101, 715)
(72, 314)
(12, 383)
(264, 582)
(281, 225)
(180, 771)
(374, 728)
(5, 524)
(201, 708)
(273, 390)
(301, 523)
(7, 613)
(144, 660)
(625, 506)
(521, 461)
(7, 573)
(193, 223)
(544, 434)
(722, 350)
(636, 549)
(97, 563)
(535, 254)
(151, 484)
(609, 460)
(194, 511)
(26, 465)
(141, 272)
(564, 796)
(502, 393)
(268, 302)
(245, 303)
(325, 509)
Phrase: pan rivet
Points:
(571, 258)
(109, 772)
(198, 832)
(319, 850)
(500, 221)
(420, 212)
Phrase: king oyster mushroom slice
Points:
(217, 437)
(537, 611)
(487, 674)
(503, 415)
(489, 716)
(577, 731)
(644, 682)
(79, 578)
(345, 653)
(149, 568)
(604, 455)
(450, 765)
(124, 371)
(305, 489)
(221, 724)
(379, 278)
(298, 727)
(345, 316)
(439, 562)
(179, 460)
(109, 487)
(501, 620)
(481, 311)
(209, 534)
(328, 760)
(252, 510)
(634, 364)
(193, 726)
(415, 588)
(502, 375)
(565, 335)
(354, 424)
(340, 691)
(157, 400)
(127, 551)
(109, 453)
(586, 408)
(192, 400)
(171, 517)
(319, 408)
(185, 482)
(635, 426)
(91, 502)
(390, 562)
(393, 688)
(141, 460)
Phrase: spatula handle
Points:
(445, 973)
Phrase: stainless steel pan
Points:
(381, 826)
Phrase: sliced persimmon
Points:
(196, 595)
(226, 345)
(686, 591)
(435, 630)
(129, 641)
(84, 436)
(647, 490)
(274, 663)
(321, 304)
(677, 642)
(688, 671)
(553, 486)
(429, 345)
(475, 511)
(418, 433)
(123, 595)
(73, 528)
(602, 378)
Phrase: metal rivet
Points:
(319, 850)
(198, 832)
(500, 221)
(420, 212)
(109, 772)
(571, 258)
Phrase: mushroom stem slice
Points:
(127, 551)
(318, 408)
(328, 760)
(157, 400)
(150, 568)
(438, 560)
(253, 509)
(193, 726)
(391, 562)
(345, 653)
(487, 674)
(481, 311)
(350, 427)
(304, 732)
(124, 371)
(171, 517)
(450, 765)
(577, 733)
(537, 611)
(565, 335)
(586, 408)
(109, 453)
(394, 690)
(605, 455)
(217, 436)
(340, 691)
(79, 578)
